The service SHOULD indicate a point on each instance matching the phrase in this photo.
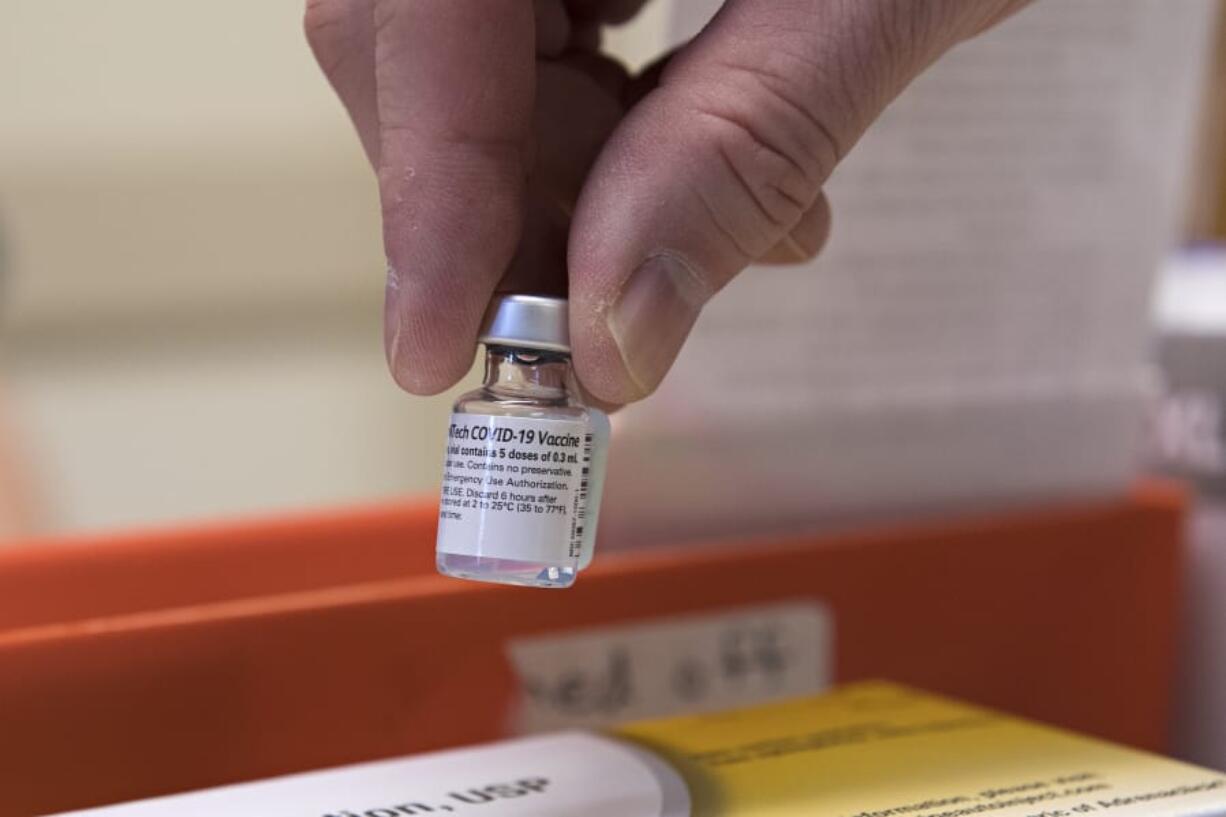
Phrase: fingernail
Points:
(795, 247)
(653, 315)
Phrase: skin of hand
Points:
(512, 156)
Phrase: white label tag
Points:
(672, 666)
(549, 776)
(515, 488)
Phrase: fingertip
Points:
(592, 401)
(426, 366)
(427, 350)
(599, 367)
(629, 343)
(451, 222)
(419, 375)
(600, 370)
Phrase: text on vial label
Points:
(515, 487)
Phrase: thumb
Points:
(726, 158)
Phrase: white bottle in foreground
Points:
(525, 457)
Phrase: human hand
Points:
(512, 155)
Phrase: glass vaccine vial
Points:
(525, 458)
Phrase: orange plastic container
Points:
(138, 665)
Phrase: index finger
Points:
(455, 85)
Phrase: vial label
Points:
(515, 488)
